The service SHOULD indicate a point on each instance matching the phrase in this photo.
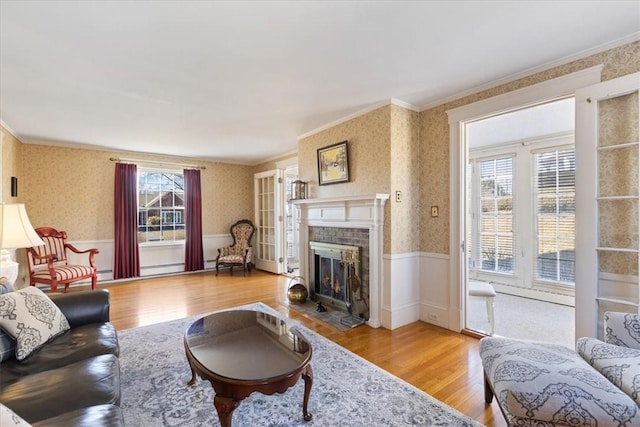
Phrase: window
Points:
(496, 215)
(556, 215)
(160, 206)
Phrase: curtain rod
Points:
(120, 159)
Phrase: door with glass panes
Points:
(268, 189)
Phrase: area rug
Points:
(347, 389)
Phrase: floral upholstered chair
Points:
(49, 264)
(240, 253)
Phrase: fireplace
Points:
(356, 221)
(336, 277)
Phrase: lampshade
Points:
(16, 230)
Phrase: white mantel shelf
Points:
(350, 211)
(344, 199)
(364, 211)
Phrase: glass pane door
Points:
(268, 218)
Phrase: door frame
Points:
(521, 98)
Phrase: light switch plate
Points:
(434, 211)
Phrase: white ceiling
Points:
(240, 81)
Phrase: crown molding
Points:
(405, 105)
(11, 131)
(537, 69)
(345, 119)
(372, 107)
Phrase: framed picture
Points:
(333, 164)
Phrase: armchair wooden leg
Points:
(94, 281)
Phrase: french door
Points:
(268, 190)
(607, 201)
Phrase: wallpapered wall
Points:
(406, 170)
(369, 138)
(435, 136)
(10, 166)
(72, 189)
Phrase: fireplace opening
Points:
(336, 279)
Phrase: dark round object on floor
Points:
(297, 293)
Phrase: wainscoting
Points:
(155, 259)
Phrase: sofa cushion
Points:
(552, 385)
(76, 344)
(7, 346)
(52, 393)
(620, 365)
(29, 316)
(100, 415)
(8, 418)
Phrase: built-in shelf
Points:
(616, 146)
(617, 301)
(633, 251)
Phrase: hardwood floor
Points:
(444, 364)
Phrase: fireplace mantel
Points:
(365, 211)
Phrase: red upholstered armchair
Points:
(240, 253)
(49, 264)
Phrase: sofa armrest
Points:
(81, 308)
(622, 329)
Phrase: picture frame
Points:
(333, 164)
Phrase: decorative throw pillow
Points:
(31, 318)
(8, 418)
(621, 365)
(7, 344)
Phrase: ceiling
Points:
(241, 81)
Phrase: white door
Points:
(607, 202)
(268, 189)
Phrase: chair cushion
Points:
(552, 385)
(620, 365)
(53, 246)
(231, 259)
(31, 318)
(65, 272)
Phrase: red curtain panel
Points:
(193, 256)
(126, 258)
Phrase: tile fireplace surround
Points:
(365, 212)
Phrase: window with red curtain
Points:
(193, 256)
(126, 258)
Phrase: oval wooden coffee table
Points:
(243, 351)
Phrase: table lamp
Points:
(16, 232)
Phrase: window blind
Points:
(496, 213)
(555, 215)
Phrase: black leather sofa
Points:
(73, 380)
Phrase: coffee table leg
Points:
(225, 407)
(192, 381)
(307, 376)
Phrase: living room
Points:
(393, 146)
